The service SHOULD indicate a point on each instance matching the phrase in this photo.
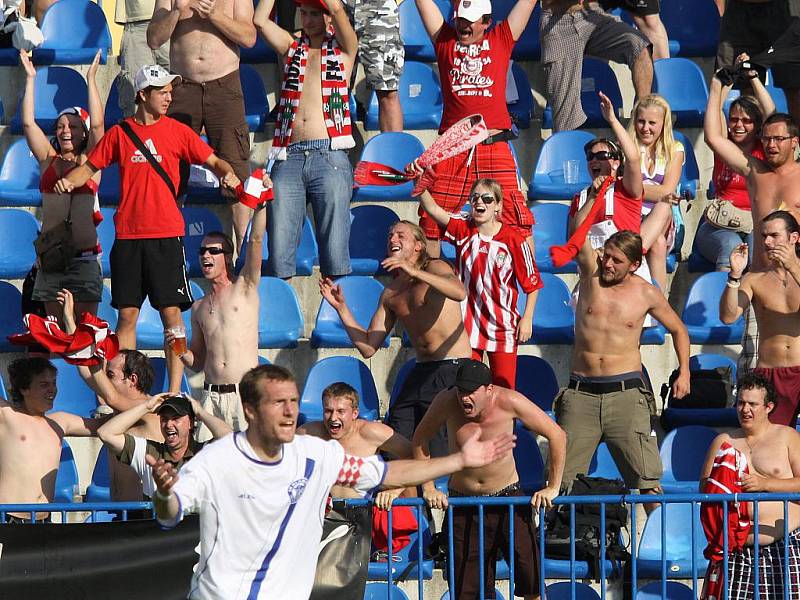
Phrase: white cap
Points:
(152, 75)
(473, 10)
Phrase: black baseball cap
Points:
(471, 375)
(180, 405)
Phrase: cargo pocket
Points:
(646, 453)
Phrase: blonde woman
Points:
(661, 162)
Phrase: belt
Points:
(502, 136)
(605, 387)
(221, 388)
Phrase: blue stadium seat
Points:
(697, 263)
(362, 294)
(690, 174)
(66, 476)
(522, 109)
(19, 176)
(383, 591)
(400, 378)
(653, 336)
(105, 311)
(537, 381)
(708, 360)
(150, 330)
(10, 316)
(280, 320)
(682, 83)
(596, 76)
(675, 591)
(553, 319)
(403, 560)
(416, 41)
(73, 32)
(683, 452)
(563, 591)
(3, 393)
(701, 312)
(161, 377)
(73, 396)
(56, 89)
(530, 465)
(680, 524)
(370, 223)
(527, 46)
(106, 233)
(199, 222)
(547, 182)
(113, 113)
(260, 53)
(339, 368)
(99, 490)
(395, 149)
(497, 594)
(552, 222)
(420, 97)
(256, 105)
(18, 229)
(305, 257)
(692, 28)
(109, 186)
(603, 464)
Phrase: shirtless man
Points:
(773, 460)
(474, 404)
(204, 37)
(308, 160)
(606, 398)
(424, 296)
(224, 343)
(774, 292)
(30, 441)
(773, 183)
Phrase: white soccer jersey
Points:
(261, 523)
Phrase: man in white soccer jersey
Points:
(261, 493)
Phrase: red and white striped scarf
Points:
(335, 95)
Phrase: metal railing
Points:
(97, 510)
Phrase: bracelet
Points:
(736, 279)
(162, 497)
(733, 283)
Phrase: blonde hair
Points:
(665, 144)
(419, 235)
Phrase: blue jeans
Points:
(312, 173)
(716, 244)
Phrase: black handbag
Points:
(711, 388)
(55, 248)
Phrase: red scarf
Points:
(561, 255)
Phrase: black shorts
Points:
(640, 8)
(154, 268)
(420, 387)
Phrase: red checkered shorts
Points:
(455, 176)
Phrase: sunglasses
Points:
(743, 120)
(212, 250)
(486, 198)
(600, 155)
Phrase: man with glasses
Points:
(224, 341)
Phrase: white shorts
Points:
(225, 405)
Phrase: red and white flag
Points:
(252, 192)
(92, 342)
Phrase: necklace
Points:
(211, 302)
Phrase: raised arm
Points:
(238, 28)
(435, 417)
(112, 432)
(519, 16)
(96, 110)
(166, 14)
(431, 16)
(716, 136)
(436, 212)
(37, 141)
(632, 178)
(367, 341)
(438, 274)
(216, 426)
(76, 426)
(661, 310)
(278, 38)
(342, 29)
(251, 273)
(736, 298)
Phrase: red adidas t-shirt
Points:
(147, 208)
(473, 77)
(627, 209)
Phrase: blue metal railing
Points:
(96, 510)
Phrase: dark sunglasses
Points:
(600, 155)
(212, 250)
(487, 198)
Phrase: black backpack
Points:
(587, 525)
(711, 388)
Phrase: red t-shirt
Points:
(147, 208)
(731, 186)
(627, 209)
(473, 77)
(491, 268)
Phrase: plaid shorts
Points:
(742, 568)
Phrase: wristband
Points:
(736, 279)
(162, 497)
(733, 284)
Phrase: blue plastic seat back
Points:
(362, 294)
(690, 173)
(106, 234)
(73, 32)
(199, 223)
(692, 28)
(701, 311)
(3, 393)
(105, 311)
(256, 105)
(527, 46)
(528, 457)
(73, 396)
(416, 41)
(675, 591)
(375, 590)
(681, 82)
(563, 591)
(261, 52)
(553, 318)
(522, 109)
(395, 149)
(370, 225)
(339, 368)
(707, 360)
(19, 176)
(280, 319)
(56, 89)
(113, 114)
(99, 490)
(597, 76)
(679, 524)
(537, 381)
(109, 191)
(547, 182)
(150, 329)
(66, 476)
(400, 379)
(420, 96)
(552, 223)
(18, 229)
(305, 258)
(161, 377)
(10, 316)
(683, 452)
(603, 464)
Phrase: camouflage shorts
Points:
(380, 48)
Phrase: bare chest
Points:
(31, 440)
(778, 293)
(407, 300)
(773, 190)
(610, 308)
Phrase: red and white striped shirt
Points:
(491, 269)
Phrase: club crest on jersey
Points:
(500, 259)
(296, 489)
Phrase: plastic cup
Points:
(179, 342)
(571, 168)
